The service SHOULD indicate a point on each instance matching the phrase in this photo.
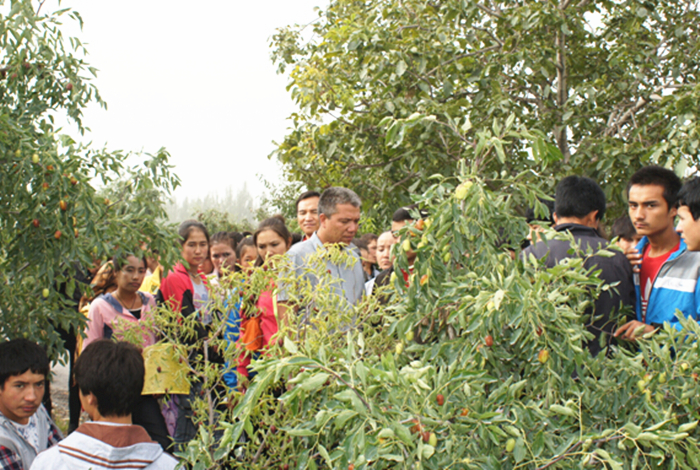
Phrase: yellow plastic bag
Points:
(164, 371)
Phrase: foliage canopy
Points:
(611, 86)
(53, 220)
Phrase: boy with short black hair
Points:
(110, 378)
(579, 207)
(25, 427)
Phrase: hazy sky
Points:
(194, 77)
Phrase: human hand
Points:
(633, 330)
(635, 259)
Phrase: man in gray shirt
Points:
(339, 214)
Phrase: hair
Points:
(114, 373)
(360, 243)
(119, 260)
(404, 213)
(237, 236)
(104, 282)
(623, 228)
(659, 176)
(530, 216)
(276, 224)
(17, 356)
(689, 196)
(297, 237)
(307, 195)
(188, 226)
(224, 237)
(577, 196)
(369, 238)
(331, 197)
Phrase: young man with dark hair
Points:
(307, 213)
(689, 214)
(666, 277)
(578, 208)
(339, 216)
(110, 379)
(25, 427)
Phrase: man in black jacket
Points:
(578, 208)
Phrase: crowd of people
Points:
(655, 274)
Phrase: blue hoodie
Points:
(676, 287)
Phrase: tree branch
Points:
(489, 11)
(560, 131)
(462, 56)
(568, 451)
(373, 165)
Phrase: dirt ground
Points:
(59, 397)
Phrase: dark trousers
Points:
(147, 415)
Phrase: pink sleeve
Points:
(149, 335)
(95, 324)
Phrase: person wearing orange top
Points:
(272, 240)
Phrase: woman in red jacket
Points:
(185, 290)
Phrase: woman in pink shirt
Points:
(127, 309)
(112, 314)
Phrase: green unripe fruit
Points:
(462, 190)
(641, 385)
(399, 348)
(432, 440)
(45, 293)
(510, 445)
(409, 335)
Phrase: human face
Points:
(130, 277)
(628, 243)
(195, 249)
(649, 211)
(384, 244)
(372, 252)
(270, 243)
(342, 226)
(223, 256)
(307, 215)
(689, 228)
(21, 396)
(248, 257)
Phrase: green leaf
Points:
(315, 382)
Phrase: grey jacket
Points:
(13, 440)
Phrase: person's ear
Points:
(322, 219)
(673, 212)
(555, 218)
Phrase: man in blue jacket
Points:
(666, 272)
